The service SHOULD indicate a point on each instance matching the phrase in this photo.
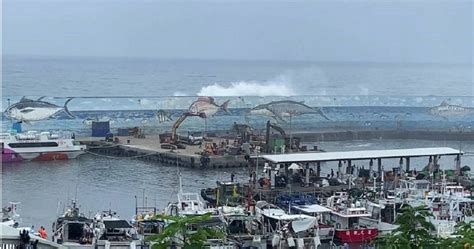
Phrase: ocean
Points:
(83, 76)
(369, 95)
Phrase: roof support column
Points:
(307, 174)
(272, 178)
(435, 163)
(400, 168)
(407, 159)
(318, 169)
(371, 169)
(349, 167)
(339, 172)
(458, 165)
(379, 165)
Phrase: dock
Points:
(149, 149)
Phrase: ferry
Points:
(43, 146)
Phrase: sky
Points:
(351, 30)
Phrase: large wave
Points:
(247, 88)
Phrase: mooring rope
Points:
(102, 146)
(120, 157)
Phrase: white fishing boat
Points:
(382, 216)
(325, 231)
(10, 217)
(74, 230)
(43, 146)
(286, 230)
(113, 232)
(346, 216)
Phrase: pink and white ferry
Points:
(345, 215)
(43, 146)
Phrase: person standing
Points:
(42, 233)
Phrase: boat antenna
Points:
(75, 196)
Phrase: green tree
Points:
(463, 237)
(414, 230)
(178, 232)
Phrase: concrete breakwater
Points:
(149, 149)
(339, 135)
(140, 149)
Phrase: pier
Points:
(192, 156)
(150, 149)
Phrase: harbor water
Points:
(100, 183)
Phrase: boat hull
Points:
(9, 156)
(326, 233)
(356, 235)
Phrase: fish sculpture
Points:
(27, 110)
(164, 116)
(280, 110)
(446, 110)
(207, 107)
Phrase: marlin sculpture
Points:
(27, 110)
(446, 110)
(280, 110)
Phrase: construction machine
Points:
(191, 139)
(282, 133)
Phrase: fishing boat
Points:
(74, 230)
(382, 216)
(286, 230)
(43, 146)
(114, 232)
(325, 231)
(346, 215)
(10, 217)
(238, 222)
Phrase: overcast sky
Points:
(352, 30)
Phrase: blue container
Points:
(100, 129)
(17, 127)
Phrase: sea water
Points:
(348, 91)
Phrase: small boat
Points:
(74, 230)
(286, 230)
(226, 193)
(325, 231)
(44, 146)
(114, 232)
(346, 215)
(9, 215)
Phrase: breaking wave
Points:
(247, 88)
(179, 94)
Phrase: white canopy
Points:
(360, 155)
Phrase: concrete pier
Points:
(149, 149)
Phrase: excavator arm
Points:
(267, 137)
(179, 121)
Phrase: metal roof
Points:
(360, 155)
